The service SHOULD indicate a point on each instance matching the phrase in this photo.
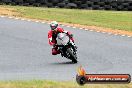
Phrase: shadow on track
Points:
(64, 63)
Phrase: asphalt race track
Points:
(26, 54)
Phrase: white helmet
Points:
(53, 25)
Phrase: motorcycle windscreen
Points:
(62, 39)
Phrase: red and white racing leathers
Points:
(52, 39)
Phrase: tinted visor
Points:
(53, 27)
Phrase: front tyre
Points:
(72, 56)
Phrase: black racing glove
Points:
(71, 35)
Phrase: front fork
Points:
(73, 46)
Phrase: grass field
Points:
(55, 84)
(108, 19)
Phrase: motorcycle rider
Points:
(52, 34)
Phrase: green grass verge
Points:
(121, 20)
(55, 84)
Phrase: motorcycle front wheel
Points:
(73, 56)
